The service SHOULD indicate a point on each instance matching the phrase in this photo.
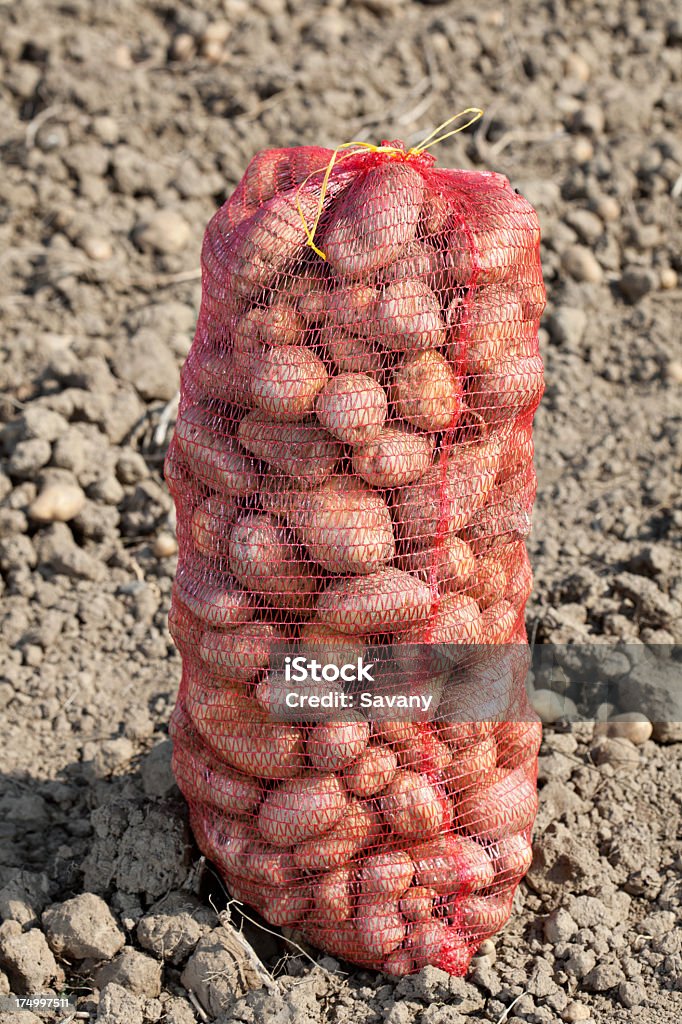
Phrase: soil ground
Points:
(114, 112)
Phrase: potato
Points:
(263, 326)
(242, 736)
(533, 298)
(502, 243)
(350, 353)
(227, 844)
(417, 261)
(346, 527)
(411, 805)
(211, 522)
(240, 654)
(499, 621)
(437, 213)
(265, 561)
(427, 393)
(301, 809)
(268, 865)
(507, 804)
(272, 170)
(447, 496)
(450, 863)
(449, 562)
(226, 376)
(285, 907)
(352, 407)
(491, 327)
(318, 642)
(479, 917)
(489, 579)
(508, 390)
(393, 458)
(436, 943)
(384, 875)
(519, 576)
(213, 457)
(372, 771)
(518, 742)
(373, 220)
(333, 745)
(351, 306)
(399, 963)
(302, 450)
(281, 324)
(219, 606)
(279, 494)
(385, 601)
(263, 245)
(471, 763)
(455, 620)
(286, 380)
(416, 903)
(379, 926)
(332, 897)
(358, 827)
(407, 317)
(204, 781)
(513, 858)
(425, 753)
(503, 519)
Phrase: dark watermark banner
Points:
(477, 682)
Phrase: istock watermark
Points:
(300, 670)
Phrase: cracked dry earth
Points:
(124, 125)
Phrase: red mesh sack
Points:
(352, 471)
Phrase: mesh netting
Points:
(352, 471)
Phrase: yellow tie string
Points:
(435, 137)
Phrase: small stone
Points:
(216, 32)
(486, 951)
(631, 993)
(603, 977)
(673, 371)
(118, 1006)
(589, 118)
(567, 326)
(27, 959)
(134, 971)
(577, 67)
(83, 927)
(57, 502)
(106, 129)
(131, 467)
(575, 1012)
(166, 231)
(582, 150)
(667, 732)
(29, 457)
(165, 545)
(630, 726)
(217, 971)
(667, 278)
(582, 265)
(96, 247)
(57, 550)
(636, 282)
(183, 47)
(559, 926)
(23, 897)
(617, 752)
(588, 226)
(552, 706)
(607, 208)
(147, 362)
(174, 926)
